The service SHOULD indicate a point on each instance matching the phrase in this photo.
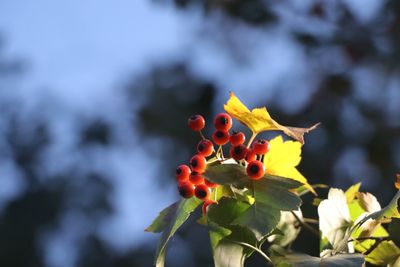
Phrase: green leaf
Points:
(223, 214)
(217, 233)
(226, 174)
(226, 211)
(351, 192)
(228, 254)
(177, 214)
(163, 219)
(271, 197)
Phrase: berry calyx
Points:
(205, 148)
(220, 137)
(237, 138)
(182, 173)
(186, 190)
(196, 178)
(251, 155)
(261, 146)
(238, 152)
(223, 122)
(255, 170)
(202, 192)
(206, 204)
(198, 163)
(210, 184)
(196, 123)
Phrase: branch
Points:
(306, 225)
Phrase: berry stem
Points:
(253, 136)
(222, 152)
(202, 135)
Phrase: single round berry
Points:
(182, 173)
(186, 190)
(250, 155)
(261, 147)
(255, 170)
(205, 148)
(202, 192)
(223, 122)
(220, 137)
(238, 152)
(210, 184)
(206, 204)
(198, 163)
(237, 138)
(196, 178)
(196, 123)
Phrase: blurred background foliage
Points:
(78, 186)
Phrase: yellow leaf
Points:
(282, 159)
(259, 120)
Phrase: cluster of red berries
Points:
(190, 180)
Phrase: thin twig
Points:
(253, 136)
(376, 238)
(375, 245)
(305, 225)
(255, 249)
(310, 220)
(202, 135)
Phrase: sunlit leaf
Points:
(334, 218)
(390, 211)
(351, 192)
(386, 253)
(176, 214)
(259, 120)
(282, 159)
(288, 228)
(228, 254)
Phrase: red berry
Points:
(186, 190)
(220, 138)
(196, 123)
(238, 152)
(237, 138)
(196, 178)
(198, 163)
(250, 156)
(202, 192)
(205, 148)
(210, 184)
(206, 204)
(255, 170)
(182, 173)
(223, 122)
(261, 146)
